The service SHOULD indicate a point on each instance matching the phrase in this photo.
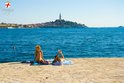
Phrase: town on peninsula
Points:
(57, 23)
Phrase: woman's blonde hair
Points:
(37, 49)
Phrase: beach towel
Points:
(34, 63)
(65, 62)
(39, 63)
(57, 63)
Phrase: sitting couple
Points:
(39, 57)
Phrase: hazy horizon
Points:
(93, 13)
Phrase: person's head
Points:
(59, 51)
(38, 48)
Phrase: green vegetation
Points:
(56, 23)
(62, 23)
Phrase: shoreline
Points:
(83, 70)
(49, 59)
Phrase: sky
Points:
(93, 13)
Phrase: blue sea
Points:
(19, 44)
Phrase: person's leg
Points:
(46, 62)
(56, 59)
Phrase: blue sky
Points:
(93, 13)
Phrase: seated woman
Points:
(57, 60)
(39, 56)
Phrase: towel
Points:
(65, 62)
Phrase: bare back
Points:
(39, 56)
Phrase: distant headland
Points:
(120, 26)
(57, 23)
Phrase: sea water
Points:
(19, 44)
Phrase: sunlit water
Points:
(19, 44)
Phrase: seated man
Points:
(57, 60)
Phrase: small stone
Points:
(46, 77)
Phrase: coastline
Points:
(83, 70)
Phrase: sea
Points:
(19, 44)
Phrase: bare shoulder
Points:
(41, 52)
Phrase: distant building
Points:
(60, 17)
(58, 23)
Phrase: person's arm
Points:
(41, 57)
(60, 52)
(62, 55)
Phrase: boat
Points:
(10, 27)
